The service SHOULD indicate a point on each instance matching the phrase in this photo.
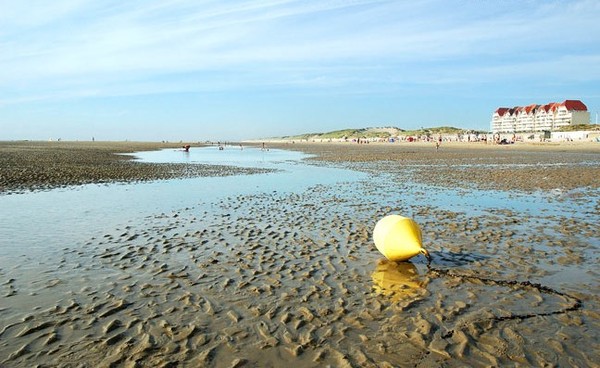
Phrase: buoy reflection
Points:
(398, 280)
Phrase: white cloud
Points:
(71, 47)
(16, 15)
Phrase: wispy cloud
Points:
(67, 48)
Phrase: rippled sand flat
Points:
(279, 279)
(28, 166)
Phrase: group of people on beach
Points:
(221, 146)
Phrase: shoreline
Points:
(574, 145)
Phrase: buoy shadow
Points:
(448, 258)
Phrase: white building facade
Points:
(539, 118)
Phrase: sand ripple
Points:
(276, 279)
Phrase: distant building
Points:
(539, 118)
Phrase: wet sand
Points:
(293, 279)
(522, 166)
(28, 166)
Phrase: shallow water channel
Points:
(39, 224)
(34, 224)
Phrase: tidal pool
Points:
(42, 222)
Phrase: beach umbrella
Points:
(398, 238)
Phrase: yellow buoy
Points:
(398, 238)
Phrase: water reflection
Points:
(249, 157)
(398, 281)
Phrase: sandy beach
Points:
(533, 166)
(293, 278)
(28, 166)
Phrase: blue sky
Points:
(196, 70)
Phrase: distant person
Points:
(186, 148)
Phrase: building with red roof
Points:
(538, 118)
